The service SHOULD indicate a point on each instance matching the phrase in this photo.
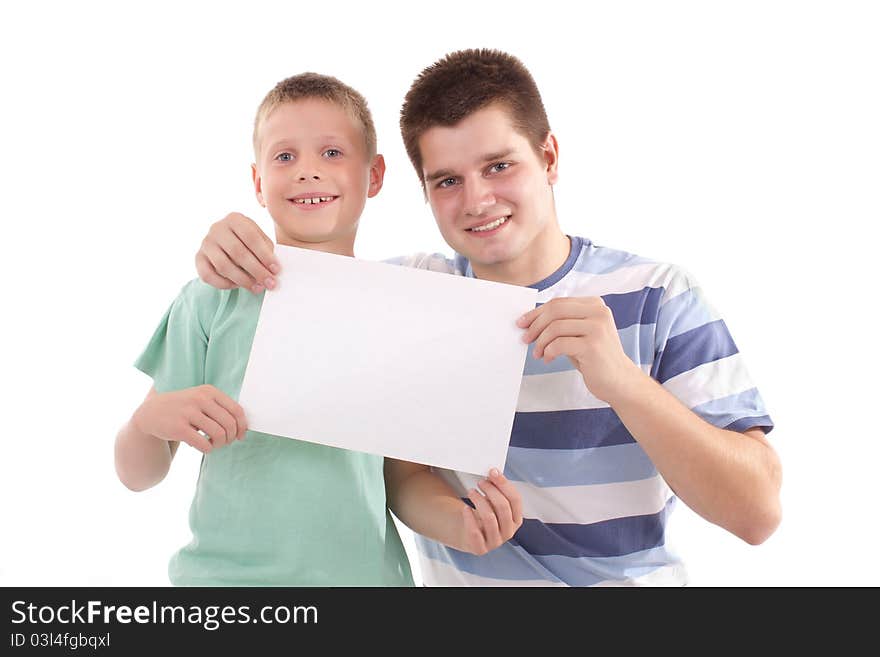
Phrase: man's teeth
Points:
(490, 225)
(312, 201)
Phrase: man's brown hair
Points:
(464, 82)
(322, 87)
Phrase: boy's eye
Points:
(284, 157)
(332, 152)
(500, 166)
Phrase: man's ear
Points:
(258, 184)
(550, 150)
(377, 175)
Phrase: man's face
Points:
(314, 174)
(490, 192)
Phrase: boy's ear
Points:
(377, 175)
(550, 150)
(258, 184)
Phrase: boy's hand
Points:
(237, 253)
(182, 414)
(494, 518)
(582, 329)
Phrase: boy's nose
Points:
(303, 177)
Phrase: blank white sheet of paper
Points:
(416, 365)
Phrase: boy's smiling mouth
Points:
(312, 200)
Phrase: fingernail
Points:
(521, 320)
(525, 338)
(275, 269)
(494, 472)
(256, 289)
(270, 283)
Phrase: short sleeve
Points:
(175, 355)
(697, 360)
(430, 261)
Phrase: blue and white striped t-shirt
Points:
(594, 506)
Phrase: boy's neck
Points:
(339, 247)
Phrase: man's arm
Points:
(237, 253)
(429, 506)
(731, 479)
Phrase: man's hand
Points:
(583, 329)
(182, 414)
(237, 253)
(494, 518)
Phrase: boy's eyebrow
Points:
(448, 173)
(322, 138)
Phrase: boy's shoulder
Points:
(207, 302)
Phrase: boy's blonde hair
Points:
(323, 87)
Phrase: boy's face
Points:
(314, 174)
(490, 192)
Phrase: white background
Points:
(737, 139)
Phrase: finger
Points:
(224, 418)
(509, 490)
(573, 328)
(486, 516)
(196, 440)
(244, 259)
(524, 320)
(562, 347)
(207, 273)
(566, 308)
(260, 246)
(474, 541)
(212, 429)
(233, 408)
(501, 507)
(224, 267)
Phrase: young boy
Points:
(651, 402)
(270, 510)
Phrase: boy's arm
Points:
(428, 505)
(237, 253)
(148, 441)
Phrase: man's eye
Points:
(332, 152)
(284, 157)
(447, 182)
(501, 166)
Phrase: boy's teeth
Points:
(489, 226)
(312, 201)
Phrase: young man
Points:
(634, 394)
(270, 510)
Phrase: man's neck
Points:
(547, 253)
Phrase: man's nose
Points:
(478, 197)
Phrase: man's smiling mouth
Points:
(489, 226)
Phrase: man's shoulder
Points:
(430, 261)
(600, 260)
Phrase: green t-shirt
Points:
(268, 510)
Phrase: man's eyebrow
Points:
(489, 157)
(442, 173)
